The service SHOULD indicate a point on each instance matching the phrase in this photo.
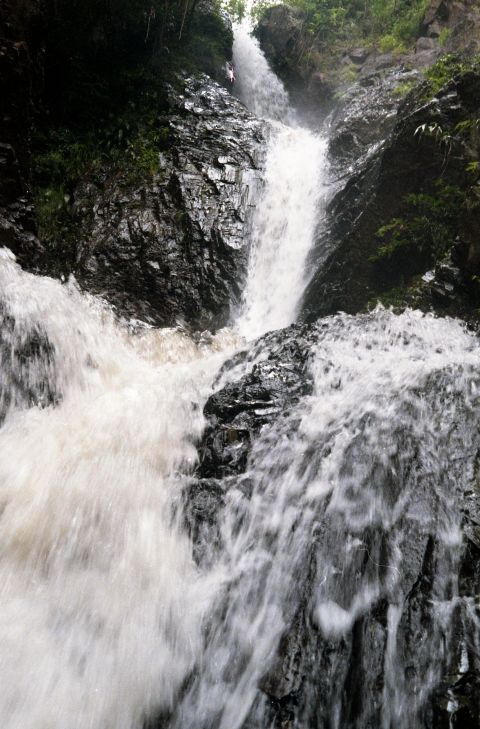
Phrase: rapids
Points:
(106, 618)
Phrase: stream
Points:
(335, 595)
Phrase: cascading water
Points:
(339, 499)
(350, 505)
(100, 610)
(286, 218)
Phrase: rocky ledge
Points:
(378, 193)
(314, 74)
(174, 249)
(315, 674)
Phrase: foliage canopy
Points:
(399, 20)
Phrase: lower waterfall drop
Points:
(343, 500)
(101, 605)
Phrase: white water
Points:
(103, 613)
(100, 608)
(258, 87)
(286, 218)
(368, 454)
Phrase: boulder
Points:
(359, 55)
(435, 29)
(268, 390)
(406, 163)
(425, 44)
(174, 249)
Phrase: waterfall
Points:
(338, 495)
(258, 87)
(287, 216)
(106, 617)
(101, 606)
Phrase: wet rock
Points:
(276, 377)
(364, 116)
(373, 196)
(317, 675)
(175, 249)
(260, 386)
(17, 216)
(27, 366)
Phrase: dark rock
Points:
(405, 164)
(17, 215)
(263, 384)
(21, 76)
(276, 377)
(468, 245)
(174, 249)
(434, 29)
(27, 366)
(436, 10)
(364, 116)
(314, 676)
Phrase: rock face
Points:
(17, 215)
(175, 249)
(406, 163)
(314, 75)
(171, 249)
(238, 411)
(460, 21)
(364, 116)
(284, 40)
(317, 675)
(20, 86)
(262, 384)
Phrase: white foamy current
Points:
(289, 212)
(100, 608)
(105, 617)
(336, 496)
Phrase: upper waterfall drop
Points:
(289, 210)
(258, 87)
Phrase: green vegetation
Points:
(396, 298)
(92, 45)
(423, 234)
(405, 87)
(444, 69)
(237, 8)
(107, 71)
(444, 35)
(391, 24)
